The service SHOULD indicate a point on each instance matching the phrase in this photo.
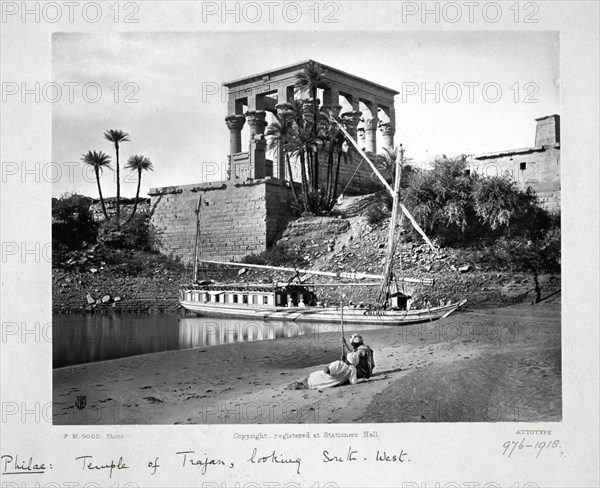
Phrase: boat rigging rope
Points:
(348, 184)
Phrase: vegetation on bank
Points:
(486, 222)
(100, 161)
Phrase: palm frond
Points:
(309, 78)
(97, 159)
(116, 136)
(138, 162)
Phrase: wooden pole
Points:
(340, 274)
(386, 184)
(342, 314)
(387, 271)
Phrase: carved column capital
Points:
(256, 121)
(387, 129)
(351, 119)
(235, 122)
(370, 122)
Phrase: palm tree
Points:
(386, 162)
(308, 80)
(138, 163)
(334, 143)
(98, 160)
(116, 136)
(298, 140)
(279, 133)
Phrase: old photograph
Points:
(275, 228)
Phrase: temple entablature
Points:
(257, 101)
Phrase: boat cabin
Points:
(399, 301)
(260, 296)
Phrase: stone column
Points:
(279, 168)
(256, 122)
(371, 133)
(387, 132)
(350, 121)
(360, 132)
(331, 101)
(235, 124)
(279, 164)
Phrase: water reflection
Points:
(85, 338)
(197, 332)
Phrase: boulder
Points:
(90, 299)
(106, 299)
(465, 268)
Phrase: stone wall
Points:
(537, 167)
(360, 183)
(236, 219)
(355, 181)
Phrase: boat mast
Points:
(387, 271)
(386, 184)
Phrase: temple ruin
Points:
(247, 212)
(365, 108)
(537, 166)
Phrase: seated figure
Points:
(336, 374)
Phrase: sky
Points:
(464, 92)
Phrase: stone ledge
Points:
(216, 185)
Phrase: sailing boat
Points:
(298, 301)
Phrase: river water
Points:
(86, 338)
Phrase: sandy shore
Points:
(488, 365)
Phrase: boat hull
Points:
(321, 314)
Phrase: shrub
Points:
(73, 226)
(375, 213)
(136, 234)
(457, 207)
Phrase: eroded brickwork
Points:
(234, 219)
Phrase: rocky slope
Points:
(110, 280)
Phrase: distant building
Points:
(537, 167)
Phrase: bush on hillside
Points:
(73, 226)
(376, 213)
(136, 234)
(456, 207)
